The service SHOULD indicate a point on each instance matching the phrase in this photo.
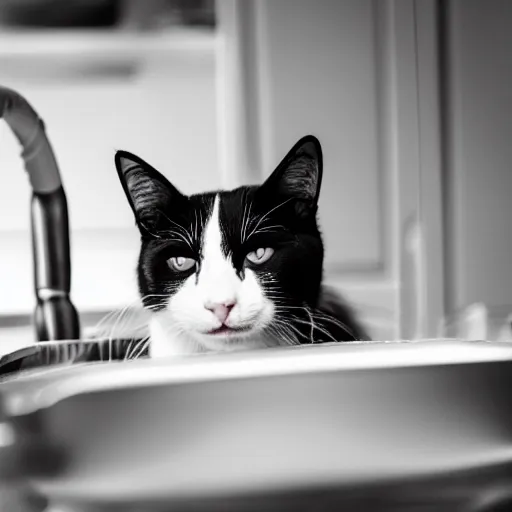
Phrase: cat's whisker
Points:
(268, 213)
(266, 229)
(246, 220)
(322, 317)
(201, 217)
(187, 238)
(160, 304)
(164, 298)
(130, 322)
(133, 313)
(131, 347)
(178, 225)
(177, 238)
(312, 326)
(100, 324)
(275, 332)
(113, 313)
(149, 231)
(294, 320)
(271, 285)
(196, 231)
(328, 318)
(102, 330)
(111, 334)
(276, 294)
(297, 307)
(143, 344)
(288, 329)
(335, 322)
(320, 329)
(311, 323)
(284, 333)
(298, 333)
(242, 228)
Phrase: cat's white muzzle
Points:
(190, 334)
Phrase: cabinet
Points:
(411, 99)
(361, 75)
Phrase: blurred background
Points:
(411, 99)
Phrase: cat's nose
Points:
(220, 310)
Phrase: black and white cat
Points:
(236, 269)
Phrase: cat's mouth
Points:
(224, 330)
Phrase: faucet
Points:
(55, 316)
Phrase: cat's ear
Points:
(299, 175)
(149, 193)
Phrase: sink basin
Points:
(368, 426)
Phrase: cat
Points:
(238, 269)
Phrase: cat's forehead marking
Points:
(224, 218)
(212, 239)
(214, 251)
(216, 273)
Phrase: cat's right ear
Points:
(298, 176)
(149, 193)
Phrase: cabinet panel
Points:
(347, 71)
(479, 152)
(321, 77)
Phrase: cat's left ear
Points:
(299, 175)
(149, 193)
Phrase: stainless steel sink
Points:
(378, 426)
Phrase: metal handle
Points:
(56, 317)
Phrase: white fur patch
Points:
(183, 327)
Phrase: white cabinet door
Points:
(479, 152)
(345, 71)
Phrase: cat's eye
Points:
(260, 255)
(181, 264)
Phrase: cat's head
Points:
(217, 269)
